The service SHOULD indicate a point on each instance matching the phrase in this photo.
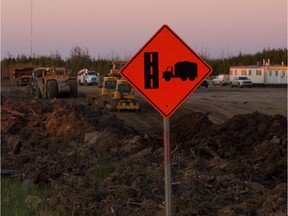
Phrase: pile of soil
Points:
(93, 164)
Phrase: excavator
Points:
(115, 95)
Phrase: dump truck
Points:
(115, 95)
(23, 76)
(53, 83)
(86, 77)
(182, 70)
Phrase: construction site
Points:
(228, 157)
(99, 119)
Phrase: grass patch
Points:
(102, 170)
(105, 169)
(22, 199)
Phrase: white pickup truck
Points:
(221, 79)
(85, 77)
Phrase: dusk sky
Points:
(107, 28)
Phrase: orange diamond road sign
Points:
(166, 71)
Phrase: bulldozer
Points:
(115, 95)
(107, 88)
(53, 83)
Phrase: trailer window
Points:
(244, 72)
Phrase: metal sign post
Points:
(167, 166)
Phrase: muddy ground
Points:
(229, 153)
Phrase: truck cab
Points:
(86, 77)
(23, 76)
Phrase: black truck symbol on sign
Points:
(183, 70)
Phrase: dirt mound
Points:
(232, 164)
(93, 164)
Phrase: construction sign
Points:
(166, 71)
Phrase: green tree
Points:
(79, 59)
(222, 66)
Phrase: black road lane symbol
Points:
(151, 70)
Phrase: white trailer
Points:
(276, 75)
(262, 74)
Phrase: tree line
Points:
(80, 58)
(276, 57)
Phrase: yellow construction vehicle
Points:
(53, 82)
(115, 95)
(107, 88)
(23, 76)
(115, 68)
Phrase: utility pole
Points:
(31, 30)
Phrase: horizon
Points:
(110, 28)
(122, 59)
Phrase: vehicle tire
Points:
(191, 78)
(183, 78)
(52, 89)
(74, 89)
(167, 79)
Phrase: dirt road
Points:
(221, 103)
